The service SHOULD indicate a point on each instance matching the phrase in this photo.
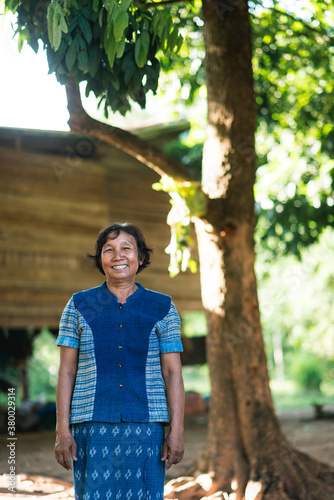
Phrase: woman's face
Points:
(119, 257)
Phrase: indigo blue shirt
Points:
(119, 374)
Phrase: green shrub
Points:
(307, 371)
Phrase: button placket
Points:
(121, 346)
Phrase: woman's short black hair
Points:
(116, 227)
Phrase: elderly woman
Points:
(120, 380)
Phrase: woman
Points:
(120, 378)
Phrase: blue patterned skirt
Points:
(118, 461)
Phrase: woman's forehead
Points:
(121, 237)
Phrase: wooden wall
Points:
(57, 190)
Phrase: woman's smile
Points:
(120, 267)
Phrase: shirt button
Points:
(121, 385)
(121, 326)
(121, 307)
(120, 347)
(120, 366)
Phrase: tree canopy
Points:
(112, 46)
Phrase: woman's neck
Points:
(122, 290)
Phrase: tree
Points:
(246, 452)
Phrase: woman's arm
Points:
(172, 374)
(65, 447)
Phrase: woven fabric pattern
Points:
(118, 461)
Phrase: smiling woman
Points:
(112, 336)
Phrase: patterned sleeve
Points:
(69, 333)
(169, 332)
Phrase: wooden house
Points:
(57, 190)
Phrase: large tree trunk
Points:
(246, 452)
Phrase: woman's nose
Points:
(118, 254)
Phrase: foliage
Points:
(183, 81)
(193, 323)
(112, 46)
(289, 396)
(187, 201)
(43, 367)
(189, 155)
(296, 298)
(293, 71)
(197, 378)
(307, 371)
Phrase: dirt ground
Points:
(39, 476)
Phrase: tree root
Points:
(291, 476)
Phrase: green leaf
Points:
(152, 73)
(61, 70)
(96, 4)
(129, 66)
(71, 56)
(49, 17)
(73, 25)
(94, 58)
(121, 21)
(120, 47)
(114, 80)
(82, 54)
(110, 5)
(56, 32)
(172, 38)
(33, 42)
(86, 29)
(158, 24)
(110, 46)
(21, 40)
(141, 49)
(164, 33)
(75, 4)
(178, 44)
(63, 24)
(125, 4)
(101, 18)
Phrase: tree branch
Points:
(127, 142)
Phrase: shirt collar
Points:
(105, 290)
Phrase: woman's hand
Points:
(173, 449)
(65, 449)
